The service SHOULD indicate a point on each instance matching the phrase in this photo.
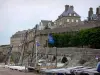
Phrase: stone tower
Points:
(92, 16)
(90, 13)
(98, 10)
(66, 7)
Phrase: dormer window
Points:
(70, 14)
(74, 14)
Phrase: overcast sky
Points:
(17, 15)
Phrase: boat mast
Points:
(34, 43)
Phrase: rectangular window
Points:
(60, 23)
(76, 20)
(67, 20)
(72, 20)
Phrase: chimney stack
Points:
(97, 11)
(72, 7)
(66, 7)
(90, 13)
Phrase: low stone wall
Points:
(78, 56)
(70, 50)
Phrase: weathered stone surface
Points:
(75, 55)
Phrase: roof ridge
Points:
(46, 20)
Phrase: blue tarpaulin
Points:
(50, 39)
(98, 67)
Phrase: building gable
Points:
(69, 12)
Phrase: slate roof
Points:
(69, 11)
(18, 34)
(45, 22)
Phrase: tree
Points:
(90, 37)
(94, 39)
(61, 40)
(87, 37)
(84, 37)
(75, 40)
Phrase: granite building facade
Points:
(67, 17)
(17, 39)
(68, 21)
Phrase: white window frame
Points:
(72, 20)
(77, 20)
(67, 20)
(74, 14)
(70, 14)
(60, 23)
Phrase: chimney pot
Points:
(91, 9)
(66, 7)
(97, 11)
(72, 7)
(90, 13)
